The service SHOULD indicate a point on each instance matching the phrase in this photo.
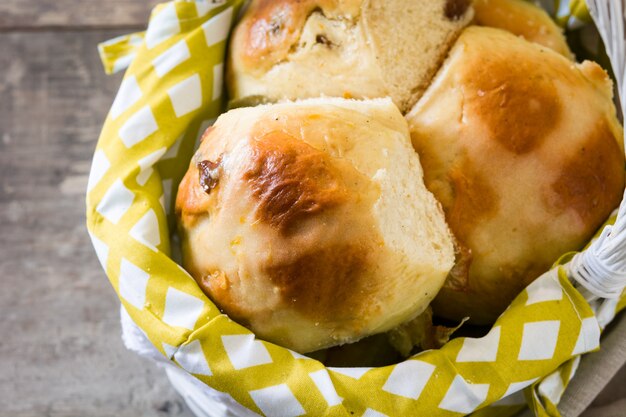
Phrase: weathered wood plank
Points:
(599, 381)
(24, 14)
(615, 390)
(60, 347)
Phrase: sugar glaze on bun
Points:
(295, 49)
(524, 19)
(309, 221)
(523, 149)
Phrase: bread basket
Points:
(171, 92)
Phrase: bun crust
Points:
(271, 28)
(290, 49)
(523, 19)
(316, 229)
(522, 148)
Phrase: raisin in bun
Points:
(524, 19)
(294, 49)
(309, 222)
(523, 149)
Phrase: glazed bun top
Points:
(523, 19)
(289, 49)
(309, 222)
(523, 149)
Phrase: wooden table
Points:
(60, 350)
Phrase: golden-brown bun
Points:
(522, 19)
(309, 222)
(523, 149)
(296, 49)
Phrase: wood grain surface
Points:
(38, 14)
(60, 349)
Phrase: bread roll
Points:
(522, 19)
(523, 149)
(355, 48)
(310, 224)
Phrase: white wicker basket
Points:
(601, 269)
